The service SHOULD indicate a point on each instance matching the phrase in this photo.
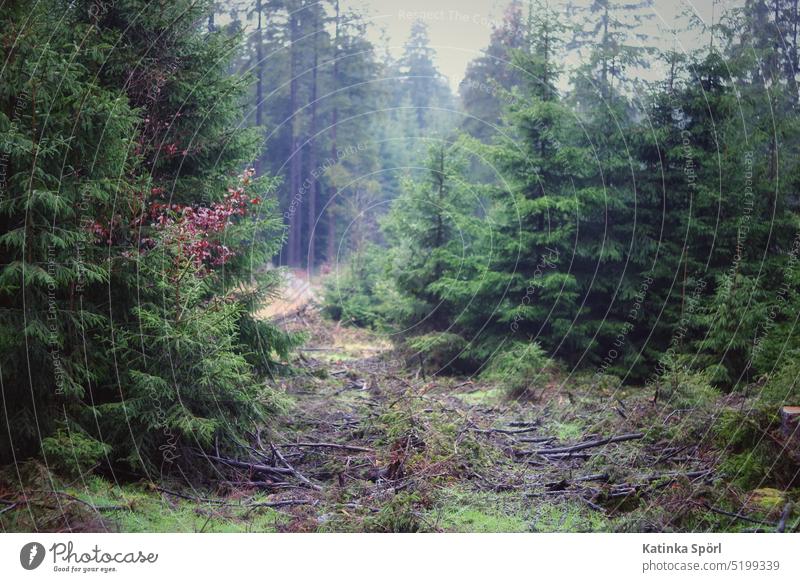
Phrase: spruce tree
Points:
(127, 240)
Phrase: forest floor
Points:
(369, 443)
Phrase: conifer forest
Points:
(364, 266)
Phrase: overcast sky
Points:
(459, 29)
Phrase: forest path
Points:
(377, 445)
(298, 291)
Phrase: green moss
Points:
(478, 397)
(459, 509)
(766, 500)
(472, 520)
(567, 516)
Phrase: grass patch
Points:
(567, 516)
(567, 431)
(461, 510)
(137, 509)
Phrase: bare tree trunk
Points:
(604, 73)
(259, 81)
(312, 151)
(331, 238)
(294, 165)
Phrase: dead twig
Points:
(223, 502)
(331, 446)
(509, 431)
(730, 514)
(255, 467)
(282, 503)
(295, 472)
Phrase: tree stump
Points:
(790, 427)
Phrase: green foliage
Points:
(750, 457)
(139, 507)
(782, 388)
(188, 380)
(431, 227)
(747, 470)
(359, 292)
(399, 514)
(440, 351)
(73, 452)
(520, 367)
(684, 388)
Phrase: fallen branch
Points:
(591, 504)
(508, 431)
(282, 503)
(625, 489)
(192, 497)
(563, 483)
(295, 472)
(260, 484)
(589, 444)
(733, 515)
(670, 455)
(331, 446)
(536, 439)
(256, 467)
(222, 502)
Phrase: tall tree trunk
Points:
(604, 74)
(259, 81)
(295, 203)
(312, 151)
(791, 59)
(331, 238)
